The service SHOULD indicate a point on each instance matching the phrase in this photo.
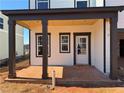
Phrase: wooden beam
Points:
(45, 47)
(113, 49)
(67, 16)
(12, 53)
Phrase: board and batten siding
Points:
(120, 14)
(57, 58)
(4, 39)
(63, 3)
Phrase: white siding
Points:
(99, 45)
(107, 46)
(93, 3)
(32, 4)
(63, 3)
(3, 44)
(4, 39)
(120, 14)
(67, 58)
(99, 3)
(114, 2)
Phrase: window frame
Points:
(2, 23)
(60, 42)
(88, 3)
(36, 44)
(37, 1)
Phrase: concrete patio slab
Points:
(84, 76)
(69, 73)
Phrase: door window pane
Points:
(82, 46)
(82, 40)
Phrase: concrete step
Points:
(112, 83)
(91, 83)
(29, 80)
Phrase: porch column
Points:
(12, 53)
(113, 49)
(45, 47)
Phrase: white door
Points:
(82, 50)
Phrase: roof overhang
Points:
(62, 11)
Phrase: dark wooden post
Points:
(45, 47)
(113, 48)
(12, 53)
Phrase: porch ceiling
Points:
(34, 23)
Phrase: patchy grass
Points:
(6, 87)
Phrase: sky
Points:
(13, 4)
(16, 4)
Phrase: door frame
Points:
(89, 44)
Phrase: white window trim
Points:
(61, 43)
(42, 1)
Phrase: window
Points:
(64, 42)
(39, 45)
(1, 23)
(81, 4)
(42, 4)
(82, 46)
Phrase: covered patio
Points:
(65, 73)
(19, 16)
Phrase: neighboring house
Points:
(4, 38)
(26, 49)
(76, 32)
(120, 24)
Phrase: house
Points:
(4, 38)
(26, 49)
(120, 24)
(69, 32)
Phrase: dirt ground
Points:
(6, 87)
(38, 88)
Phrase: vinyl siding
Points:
(63, 3)
(4, 39)
(120, 14)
